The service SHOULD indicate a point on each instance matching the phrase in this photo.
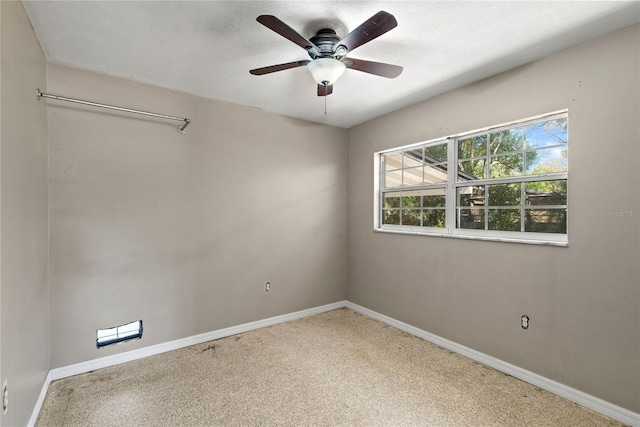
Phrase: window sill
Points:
(468, 237)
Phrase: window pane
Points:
(548, 160)
(471, 218)
(391, 216)
(393, 179)
(472, 169)
(411, 216)
(412, 158)
(506, 141)
(472, 147)
(545, 220)
(435, 153)
(435, 174)
(548, 133)
(433, 217)
(392, 200)
(411, 199)
(435, 197)
(546, 193)
(471, 196)
(412, 176)
(508, 165)
(392, 161)
(504, 219)
(504, 194)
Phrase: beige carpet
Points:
(334, 369)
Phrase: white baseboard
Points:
(40, 401)
(116, 359)
(577, 396)
(602, 406)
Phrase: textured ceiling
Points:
(208, 47)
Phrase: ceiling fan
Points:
(328, 52)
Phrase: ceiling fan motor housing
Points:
(325, 40)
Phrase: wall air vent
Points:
(130, 331)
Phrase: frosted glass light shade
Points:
(326, 71)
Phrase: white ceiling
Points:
(208, 47)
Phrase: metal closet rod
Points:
(182, 128)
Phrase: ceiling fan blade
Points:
(286, 31)
(325, 90)
(378, 68)
(278, 67)
(374, 27)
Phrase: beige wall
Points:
(23, 230)
(584, 300)
(182, 231)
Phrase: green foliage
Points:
(504, 219)
(433, 218)
(505, 194)
(504, 151)
(391, 216)
(546, 192)
(546, 220)
(413, 213)
(472, 147)
(435, 153)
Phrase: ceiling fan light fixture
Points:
(325, 71)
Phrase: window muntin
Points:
(508, 182)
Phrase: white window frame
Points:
(450, 229)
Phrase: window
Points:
(502, 183)
(118, 334)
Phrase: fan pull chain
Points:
(325, 101)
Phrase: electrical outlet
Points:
(524, 321)
(267, 286)
(5, 397)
